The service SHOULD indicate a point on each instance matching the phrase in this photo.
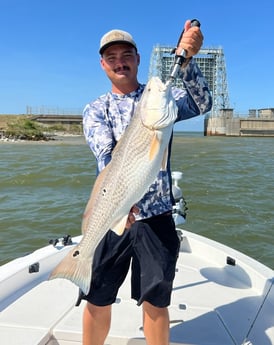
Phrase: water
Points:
(228, 185)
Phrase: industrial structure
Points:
(258, 123)
(212, 64)
(221, 120)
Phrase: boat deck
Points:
(213, 303)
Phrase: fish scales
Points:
(136, 161)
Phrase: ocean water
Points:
(228, 184)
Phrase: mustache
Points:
(121, 68)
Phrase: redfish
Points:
(136, 160)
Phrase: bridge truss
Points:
(212, 64)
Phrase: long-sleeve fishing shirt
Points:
(106, 118)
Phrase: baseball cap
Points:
(115, 37)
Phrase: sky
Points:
(49, 48)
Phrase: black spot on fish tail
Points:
(76, 253)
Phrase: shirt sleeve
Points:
(195, 97)
(98, 133)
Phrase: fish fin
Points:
(164, 161)
(154, 148)
(119, 227)
(75, 268)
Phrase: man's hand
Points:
(191, 41)
(131, 216)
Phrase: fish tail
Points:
(76, 268)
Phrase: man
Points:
(151, 243)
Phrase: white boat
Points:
(220, 297)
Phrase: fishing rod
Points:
(180, 58)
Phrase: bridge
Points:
(53, 119)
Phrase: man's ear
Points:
(102, 63)
(138, 59)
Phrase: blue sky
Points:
(49, 48)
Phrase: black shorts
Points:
(152, 247)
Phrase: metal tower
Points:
(212, 64)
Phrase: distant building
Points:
(258, 123)
(266, 113)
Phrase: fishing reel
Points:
(180, 208)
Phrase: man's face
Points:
(120, 62)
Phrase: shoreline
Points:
(57, 138)
(25, 130)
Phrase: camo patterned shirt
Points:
(106, 118)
